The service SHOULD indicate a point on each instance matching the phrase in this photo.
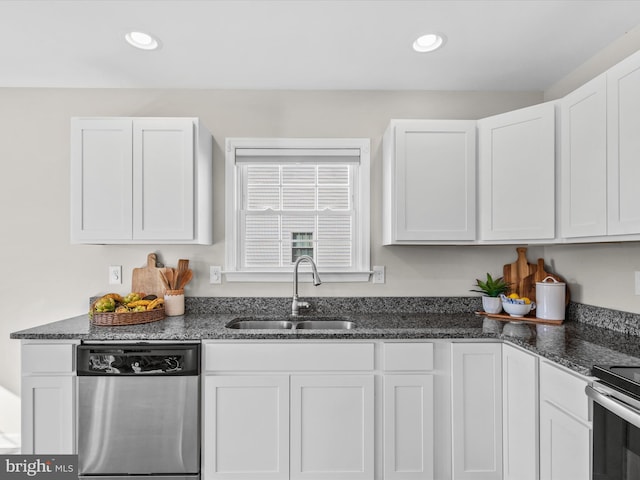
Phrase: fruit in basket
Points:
(105, 304)
(133, 297)
(158, 302)
(139, 303)
(133, 302)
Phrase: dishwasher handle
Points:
(138, 360)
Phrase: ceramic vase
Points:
(492, 304)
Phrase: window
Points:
(292, 197)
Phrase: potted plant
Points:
(492, 289)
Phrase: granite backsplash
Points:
(615, 320)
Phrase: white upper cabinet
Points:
(141, 180)
(623, 147)
(516, 178)
(583, 174)
(429, 182)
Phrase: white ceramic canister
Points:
(550, 299)
(174, 302)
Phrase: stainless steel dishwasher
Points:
(138, 411)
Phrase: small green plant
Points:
(491, 287)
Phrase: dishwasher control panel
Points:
(138, 360)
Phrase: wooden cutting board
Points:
(147, 279)
(523, 276)
(520, 275)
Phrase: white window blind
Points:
(293, 209)
(298, 201)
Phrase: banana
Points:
(155, 303)
(139, 303)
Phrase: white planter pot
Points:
(492, 304)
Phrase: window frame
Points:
(361, 269)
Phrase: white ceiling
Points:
(305, 44)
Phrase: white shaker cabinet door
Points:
(101, 185)
(48, 414)
(520, 414)
(332, 427)
(408, 427)
(476, 379)
(583, 173)
(516, 173)
(623, 117)
(564, 445)
(246, 427)
(163, 172)
(429, 185)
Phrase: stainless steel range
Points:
(616, 422)
(138, 411)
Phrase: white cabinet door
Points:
(140, 181)
(408, 427)
(163, 173)
(564, 445)
(429, 186)
(246, 427)
(48, 414)
(565, 424)
(101, 186)
(623, 117)
(583, 182)
(332, 420)
(516, 173)
(476, 380)
(520, 414)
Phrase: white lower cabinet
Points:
(288, 410)
(332, 420)
(246, 430)
(565, 425)
(476, 381)
(408, 405)
(408, 427)
(48, 397)
(520, 414)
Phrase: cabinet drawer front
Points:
(288, 357)
(407, 356)
(564, 390)
(47, 358)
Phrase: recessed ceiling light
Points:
(141, 40)
(428, 43)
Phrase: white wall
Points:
(46, 278)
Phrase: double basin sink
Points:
(270, 323)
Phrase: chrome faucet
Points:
(295, 304)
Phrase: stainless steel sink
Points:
(239, 323)
(325, 325)
(269, 323)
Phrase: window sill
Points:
(326, 277)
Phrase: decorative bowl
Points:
(517, 309)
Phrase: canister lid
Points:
(552, 283)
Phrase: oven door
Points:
(616, 434)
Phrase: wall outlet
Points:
(115, 274)
(378, 274)
(215, 274)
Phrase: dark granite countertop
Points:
(575, 345)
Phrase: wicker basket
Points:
(127, 318)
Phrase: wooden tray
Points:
(505, 317)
